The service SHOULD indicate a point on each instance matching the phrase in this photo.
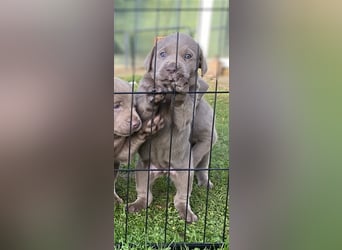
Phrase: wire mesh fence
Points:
(171, 152)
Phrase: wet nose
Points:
(135, 124)
(171, 67)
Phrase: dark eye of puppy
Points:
(163, 54)
(187, 56)
(117, 105)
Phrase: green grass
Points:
(136, 233)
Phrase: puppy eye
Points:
(187, 56)
(163, 54)
(117, 105)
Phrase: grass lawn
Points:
(148, 226)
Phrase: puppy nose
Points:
(171, 68)
(135, 124)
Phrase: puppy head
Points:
(175, 57)
(126, 119)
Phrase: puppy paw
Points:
(205, 184)
(181, 86)
(152, 126)
(186, 213)
(188, 216)
(191, 217)
(137, 206)
(156, 94)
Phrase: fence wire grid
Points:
(139, 26)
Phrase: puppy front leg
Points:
(148, 103)
(128, 148)
(142, 188)
(182, 198)
(117, 199)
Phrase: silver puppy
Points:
(172, 66)
(129, 130)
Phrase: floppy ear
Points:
(149, 60)
(202, 63)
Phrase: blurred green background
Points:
(138, 22)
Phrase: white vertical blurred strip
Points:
(204, 24)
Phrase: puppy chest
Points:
(175, 150)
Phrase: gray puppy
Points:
(172, 66)
(129, 130)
